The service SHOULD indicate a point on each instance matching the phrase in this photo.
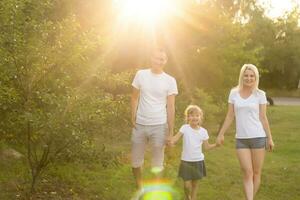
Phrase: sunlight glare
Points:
(144, 11)
(277, 8)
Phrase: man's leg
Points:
(157, 141)
(137, 153)
(137, 173)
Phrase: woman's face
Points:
(249, 78)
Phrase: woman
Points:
(248, 104)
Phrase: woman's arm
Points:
(265, 122)
(227, 122)
(208, 146)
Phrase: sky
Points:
(277, 8)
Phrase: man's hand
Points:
(133, 123)
(169, 139)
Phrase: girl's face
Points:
(194, 119)
(249, 78)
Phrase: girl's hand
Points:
(270, 144)
(220, 140)
(172, 142)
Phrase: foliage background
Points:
(65, 75)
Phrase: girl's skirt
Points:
(192, 170)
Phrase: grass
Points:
(90, 180)
(280, 177)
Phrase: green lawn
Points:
(280, 180)
(281, 177)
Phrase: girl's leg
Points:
(187, 189)
(245, 159)
(258, 156)
(194, 189)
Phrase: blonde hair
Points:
(193, 109)
(252, 68)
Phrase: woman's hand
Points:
(270, 144)
(220, 140)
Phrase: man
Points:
(153, 113)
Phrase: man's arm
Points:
(134, 104)
(170, 114)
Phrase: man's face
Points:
(158, 59)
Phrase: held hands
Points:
(169, 140)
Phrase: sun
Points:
(144, 11)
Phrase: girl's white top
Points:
(248, 124)
(192, 143)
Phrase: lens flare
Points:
(155, 195)
(157, 190)
(156, 170)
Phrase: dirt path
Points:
(287, 101)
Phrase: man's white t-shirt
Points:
(154, 89)
(248, 124)
(192, 143)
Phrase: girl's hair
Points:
(191, 109)
(252, 68)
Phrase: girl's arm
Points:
(227, 122)
(264, 120)
(208, 146)
(175, 138)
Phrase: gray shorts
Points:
(156, 136)
(192, 170)
(251, 143)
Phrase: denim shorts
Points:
(251, 143)
(153, 134)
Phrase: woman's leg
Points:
(258, 156)
(245, 159)
(187, 189)
(194, 189)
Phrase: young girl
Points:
(192, 167)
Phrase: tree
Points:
(53, 91)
